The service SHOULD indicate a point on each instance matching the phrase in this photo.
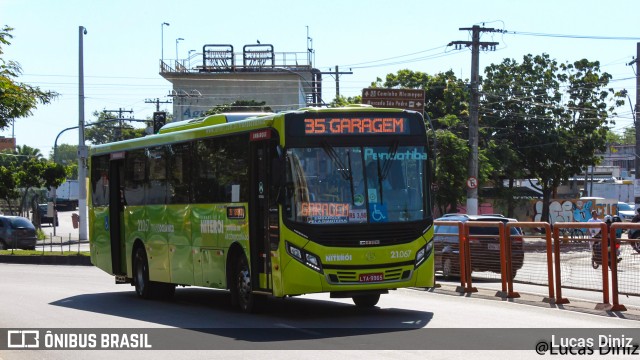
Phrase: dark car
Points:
(17, 232)
(44, 219)
(485, 247)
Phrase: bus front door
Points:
(259, 218)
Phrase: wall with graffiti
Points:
(574, 210)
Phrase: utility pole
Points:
(636, 119)
(119, 111)
(337, 74)
(475, 44)
(83, 153)
(157, 102)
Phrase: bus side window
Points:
(205, 165)
(178, 169)
(135, 175)
(100, 180)
(156, 184)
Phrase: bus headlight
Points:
(423, 253)
(305, 257)
(313, 262)
(295, 252)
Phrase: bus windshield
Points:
(347, 185)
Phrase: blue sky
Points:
(372, 38)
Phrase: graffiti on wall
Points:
(574, 210)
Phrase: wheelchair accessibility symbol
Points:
(378, 212)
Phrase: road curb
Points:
(533, 299)
(46, 260)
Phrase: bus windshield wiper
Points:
(386, 166)
(344, 172)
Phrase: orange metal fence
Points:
(587, 247)
(551, 259)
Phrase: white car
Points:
(626, 211)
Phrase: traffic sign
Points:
(410, 99)
(472, 182)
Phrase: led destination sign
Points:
(356, 126)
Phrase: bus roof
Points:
(209, 120)
(188, 130)
(224, 123)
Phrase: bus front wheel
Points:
(241, 294)
(366, 301)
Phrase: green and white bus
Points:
(309, 201)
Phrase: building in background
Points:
(7, 143)
(220, 74)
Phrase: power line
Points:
(357, 65)
(590, 37)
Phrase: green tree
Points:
(446, 105)
(106, 129)
(553, 138)
(613, 138)
(8, 190)
(17, 100)
(451, 169)
(24, 172)
(66, 155)
(239, 106)
(27, 152)
(445, 94)
(344, 101)
(36, 174)
(19, 155)
(628, 136)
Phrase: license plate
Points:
(495, 247)
(371, 277)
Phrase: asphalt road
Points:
(310, 326)
(67, 239)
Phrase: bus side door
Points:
(263, 213)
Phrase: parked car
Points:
(626, 211)
(485, 251)
(17, 232)
(44, 219)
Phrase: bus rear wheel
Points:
(366, 301)
(145, 288)
(141, 273)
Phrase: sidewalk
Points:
(64, 230)
(579, 300)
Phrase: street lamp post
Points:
(82, 149)
(177, 41)
(162, 42)
(190, 51)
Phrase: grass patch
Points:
(45, 253)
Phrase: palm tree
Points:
(27, 152)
